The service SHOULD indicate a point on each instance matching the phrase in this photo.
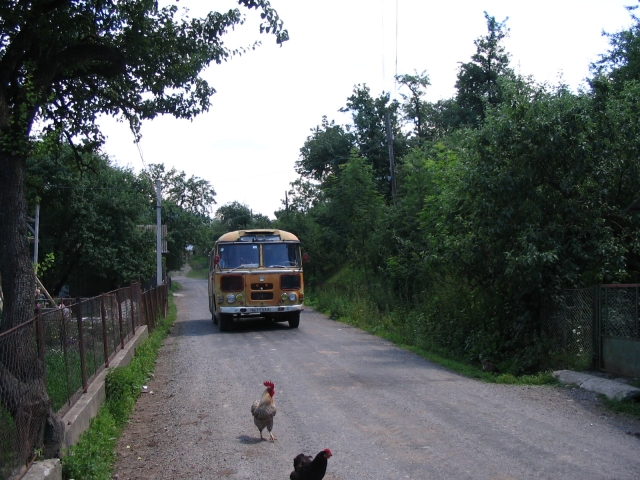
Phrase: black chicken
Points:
(304, 468)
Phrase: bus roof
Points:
(257, 233)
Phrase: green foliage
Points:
(626, 407)
(424, 330)
(89, 216)
(127, 59)
(478, 82)
(139, 61)
(64, 373)
(238, 216)
(414, 108)
(194, 195)
(354, 209)
(94, 454)
(323, 152)
(621, 63)
(186, 204)
(7, 443)
(45, 264)
(489, 221)
(369, 128)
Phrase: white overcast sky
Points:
(268, 99)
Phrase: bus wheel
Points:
(294, 319)
(225, 322)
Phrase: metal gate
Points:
(618, 329)
(601, 321)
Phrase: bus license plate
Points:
(258, 310)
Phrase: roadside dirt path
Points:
(385, 413)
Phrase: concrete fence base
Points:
(78, 419)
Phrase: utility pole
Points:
(286, 203)
(158, 233)
(36, 233)
(392, 166)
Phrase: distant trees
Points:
(238, 216)
(186, 208)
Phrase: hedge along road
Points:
(385, 413)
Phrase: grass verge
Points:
(627, 407)
(93, 457)
(440, 358)
(402, 339)
(359, 313)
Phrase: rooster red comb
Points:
(328, 452)
(269, 384)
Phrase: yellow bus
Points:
(256, 273)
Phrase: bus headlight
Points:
(239, 297)
(292, 297)
(231, 298)
(283, 297)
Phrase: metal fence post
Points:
(133, 316)
(165, 301)
(83, 360)
(41, 346)
(637, 332)
(121, 325)
(596, 326)
(105, 340)
(64, 332)
(140, 297)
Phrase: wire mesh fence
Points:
(620, 306)
(577, 321)
(568, 320)
(21, 381)
(50, 361)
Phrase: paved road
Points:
(385, 413)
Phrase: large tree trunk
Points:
(22, 379)
(18, 279)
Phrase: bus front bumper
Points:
(258, 310)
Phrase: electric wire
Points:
(395, 77)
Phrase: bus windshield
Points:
(281, 255)
(237, 255)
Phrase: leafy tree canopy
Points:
(415, 109)
(63, 63)
(89, 219)
(237, 216)
(325, 150)
(195, 195)
(477, 83)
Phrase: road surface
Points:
(384, 412)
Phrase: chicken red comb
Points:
(328, 452)
(269, 384)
